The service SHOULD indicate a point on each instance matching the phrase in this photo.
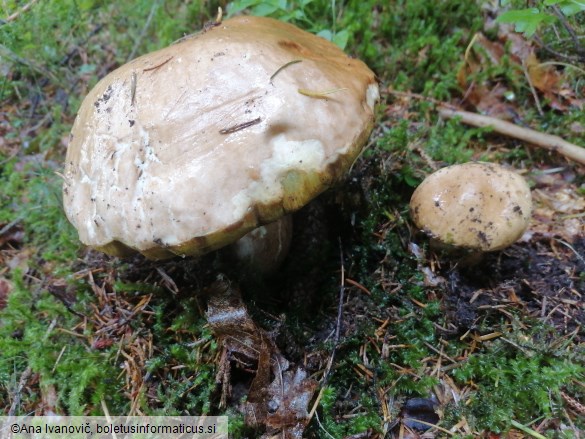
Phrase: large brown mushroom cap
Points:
(186, 149)
(474, 206)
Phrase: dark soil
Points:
(542, 278)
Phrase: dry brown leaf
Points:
(278, 398)
(5, 288)
(487, 98)
(519, 47)
(543, 77)
(559, 208)
(230, 322)
(289, 396)
(493, 103)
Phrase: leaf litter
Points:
(279, 395)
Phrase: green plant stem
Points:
(527, 430)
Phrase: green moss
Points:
(59, 48)
(31, 337)
(336, 426)
(31, 197)
(515, 384)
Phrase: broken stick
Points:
(547, 141)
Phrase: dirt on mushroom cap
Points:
(186, 149)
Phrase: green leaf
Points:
(265, 9)
(326, 33)
(240, 5)
(340, 38)
(572, 7)
(526, 21)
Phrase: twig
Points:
(570, 247)
(97, 29)
(315, 405)
(158, 65)
(107, 414)
(358, 286)
(58, 358)
(547, 141)
(21, 383)
(133, 82)
(240, 126)
(339, 316)
(143, 32)
(569, 29)
(555, 52)
(563, 64)
(406, 94)
(22, 10)
(10, 225)
(321, 426)
(532, 89)
(430, 424)
(9, 54)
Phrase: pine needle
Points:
(320, 94)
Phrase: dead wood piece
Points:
(547, 141)
(22, 10)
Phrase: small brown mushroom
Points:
(474, 206)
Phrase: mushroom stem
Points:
(263, 249)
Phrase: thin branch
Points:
(18, 392)
(527, 430)
(320, 94)
(547, 141)
(22, 10)
(532, 89)
(569, 29)
(9, 54)
(556, 52)
(339, 317)
(290, 63)
(138, 42)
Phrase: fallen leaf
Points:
(102, 343)
(543, 77)
(289, 396)
(485, 97)
(5, 288)
(277, 398)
